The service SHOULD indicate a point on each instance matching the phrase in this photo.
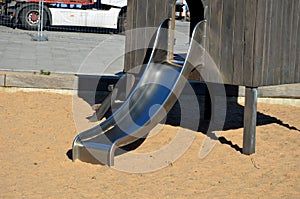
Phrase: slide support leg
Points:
(250, 115)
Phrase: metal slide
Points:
(154, 95)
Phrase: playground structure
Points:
(253, 43)
(153, 96)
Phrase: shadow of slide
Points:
(234, 120)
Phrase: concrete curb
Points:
(56, 81)
(74, 84)
(2, 80)
(27, 80)
(279, 91)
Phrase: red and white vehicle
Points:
(86, 13)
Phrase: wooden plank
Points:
(272, 54)
(150, 31)
(157, 13)
(169, 9)
(130, 42)
(279, 44)
(160, 12)
(203, 74)
(171, 39)
(151, 12)
(250, 115)
(267, 42)
(141, 24)
(130, 13)
(293, 41)
(128, 36)
(133, 36)
(276, 44)
(286, 42)
(259, 43)
(250, 17)
(151, 18)
(297, 68)
(238, 43)
(227, 40)
(214, 36)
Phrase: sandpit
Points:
(37, 130)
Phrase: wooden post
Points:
(250, 114)
(171, 41)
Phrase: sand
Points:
(37, 130)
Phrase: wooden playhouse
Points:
(253, 43)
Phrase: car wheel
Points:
(29, 17)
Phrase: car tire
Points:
(29, 17)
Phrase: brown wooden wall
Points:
(255, 42)
(252, 42)
(142, 14)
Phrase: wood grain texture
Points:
(143, 17)
(129, 60)
(250, 16)
(297, 64)
(238, 43)
(267, 43)
(259, 42)
(278, 51)
(287, 22)
(213, 58)
(294, 36)
(227, 32)
(140, 30)
(251, 42)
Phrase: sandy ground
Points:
(37, 130)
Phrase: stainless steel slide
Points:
(154, 95)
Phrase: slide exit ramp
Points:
(149, 102)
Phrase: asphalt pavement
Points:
(69, 52)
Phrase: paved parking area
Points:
(68, 52)
(64, 52)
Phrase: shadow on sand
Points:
(234, 115)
